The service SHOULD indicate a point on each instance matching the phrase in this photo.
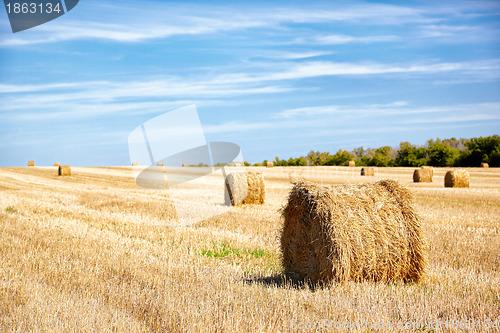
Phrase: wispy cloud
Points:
(125, 23)
(390, 109)
(95, 98)
(457, 34)
(458, 118)
(295, 71)
(337, 109)
(319, 116)
(344, 39)
(24, 88)
(282, 55)
(151, 22)
(444, 30)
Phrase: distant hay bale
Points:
(352, 232)
(245, 188)
(456, 178)
(422, 175)
(135, 163)
(485, 165)
(367, 171)
(352, 163)
(270, 164)
(159, 164)
(185, 165)
(429, 168)
(31, 163)
(64, 170)
(57, 164)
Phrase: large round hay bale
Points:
(270, 164)
(31, 163)
(423, 175)
(485, 165)
(245, 188)
(185, 165)
(367, 171)
(429, 168)
(135, 163)
(159, 164)
(352, 232)
(352, 163)
(57, 164)
(64, 170)
(456, 178)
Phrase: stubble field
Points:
(94, 252)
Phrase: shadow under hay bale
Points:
(57, 164)
(64, 170)
(352, 232)
(352, 163)
(485, 165)
(367, 171)
(31, 163)
(423, 175)
(457, 178)
(245, 188)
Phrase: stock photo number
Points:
(33, 8)
(26, 14)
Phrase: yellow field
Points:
(94, 252)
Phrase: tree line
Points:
(440, 153)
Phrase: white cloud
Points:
(317, 117)
(457, 118)
(281, 55)
(295, 71)
(390, 109)
(94, 98)
(337, 109)
(444, 30)
(23, 88)
(453, 34)
(90, 100)
(344, 39)
(237, 127)
(156, 20)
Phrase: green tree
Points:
(359, 152)
(341, 157)
(410, 155)
(479, 150)
(382, 157)
(313, 157)
(440, 154)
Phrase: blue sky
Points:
(278, 79)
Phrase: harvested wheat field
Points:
(95, 252)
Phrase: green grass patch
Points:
(10, 209)
(221, 250)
